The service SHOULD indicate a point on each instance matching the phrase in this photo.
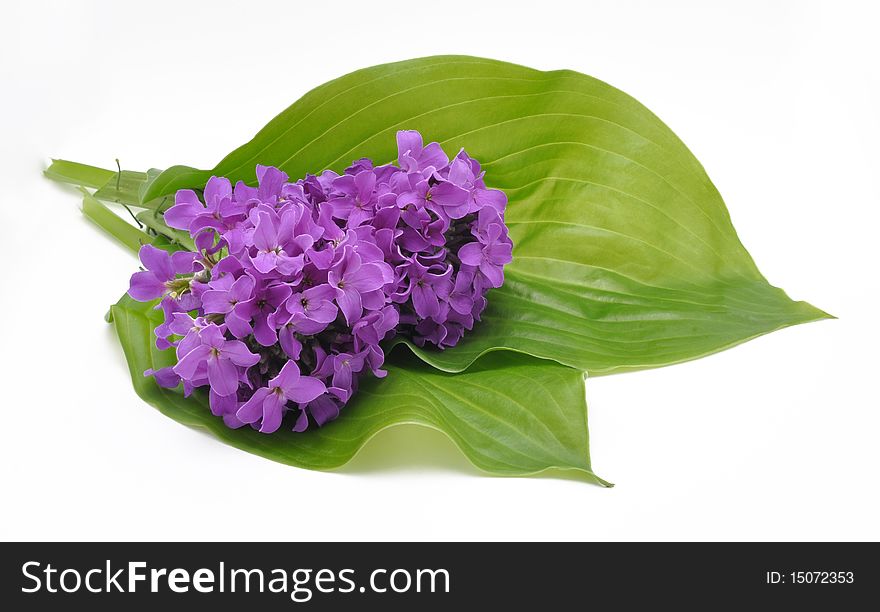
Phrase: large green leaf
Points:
(510, 414)
(625, 256)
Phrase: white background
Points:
(776, 439)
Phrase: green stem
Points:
(156, 222)
(112, 223)
(74, 173)
(124, 188)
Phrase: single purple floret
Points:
(266, 405)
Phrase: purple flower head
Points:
(295, 285)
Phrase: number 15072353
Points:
(810, 577)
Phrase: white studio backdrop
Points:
(775, 439)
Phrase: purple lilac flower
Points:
(355, 203)
(295, 285)
(218, 211)
(161, 271)
(352, 279)
(267, 404)
(414, 158)
(225, 360)
(224, 300)
(492, 250)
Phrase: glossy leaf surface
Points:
(625, 256)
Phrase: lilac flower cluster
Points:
(294, 285)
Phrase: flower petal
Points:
(493, 273)
(242, 289)
(425, 301)
(349, 301)
(265, 261)
(433, 156)
(222, 404)
(369, 277)
(494, 198)
(239, 354)
(342, 375)
(271, 179)
(322, 311)
(500, 253)
(157, 261)
(291, 346)
(287, 377)
(324, 409)
(409, 142)
(462, 303)
(187, 206)
(265, 234)
(302, 422)
(184, 262)
(273, 412)
(145, 287)
(365, 182)
(222, 375)
(252, 410)
(164, 377)
(188, 364)
(216, 302)
(449, 195)
(217, 188)
(264, 333)
(471, 254)
(305, 390)
(238, 325)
